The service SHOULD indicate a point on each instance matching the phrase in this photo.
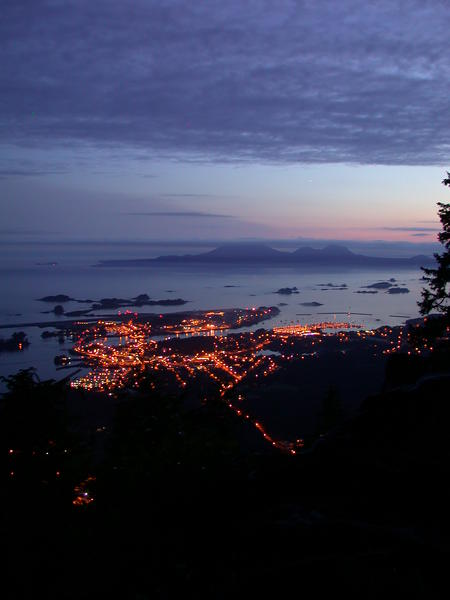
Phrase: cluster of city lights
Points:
(112, 363)
(82, 492)
(116, 351)
(314, 328)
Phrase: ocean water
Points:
(25, 276)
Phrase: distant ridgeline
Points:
(262, 254)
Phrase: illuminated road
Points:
(114, 351)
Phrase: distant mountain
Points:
(255, 253)
(237, 251)
(331, 253)
(330, 250)
(232, 253)
(335, 254)
(422, 259)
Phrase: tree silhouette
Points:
(437, 295)
(39, 455)
(155, 436)
(331, 412)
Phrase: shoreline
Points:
(146, 317)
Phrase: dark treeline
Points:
(143, 496)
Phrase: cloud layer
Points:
(421, 229)
(188, 213)
(309, 81)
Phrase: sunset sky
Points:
(169, 119)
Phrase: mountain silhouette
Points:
(249, 250)
(258, 253)
(330, 250)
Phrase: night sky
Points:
(241, 119)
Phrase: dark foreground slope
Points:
(182, 509)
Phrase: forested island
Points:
(260, 254)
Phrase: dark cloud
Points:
(190, 214)
(19, 231)
(422, 229)
(194, 196)
(28, 173)
(288, 81)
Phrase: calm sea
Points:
(25, 275)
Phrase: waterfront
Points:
(235, 356)
(205, 288)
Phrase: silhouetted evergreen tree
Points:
(40, 457)
(437, 295)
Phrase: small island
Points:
(397, 290)
(286, 291)
(57, 298)
(380, 285)
(313, 303)
(108, 303)
(16, 343)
